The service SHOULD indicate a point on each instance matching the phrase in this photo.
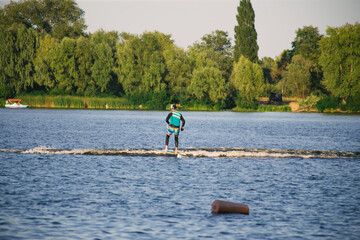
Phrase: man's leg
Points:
(176, 143)
(167, 142)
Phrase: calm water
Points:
(51, 196)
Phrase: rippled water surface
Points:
(62, 196)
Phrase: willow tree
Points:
(140, 63)
(17, 53)
(45, 62)
(245, 33)
(65, 69)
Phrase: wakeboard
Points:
(178, 154)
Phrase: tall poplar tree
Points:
(245, 33)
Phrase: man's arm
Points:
(183, 122)
(168, 118)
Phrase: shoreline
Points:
(118, 103)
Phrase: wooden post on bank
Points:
(219, 206)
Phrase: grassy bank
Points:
(265, 108)
(122, 103)
(78, 102)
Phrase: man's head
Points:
(173, 107)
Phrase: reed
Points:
(196, 107)
(265, 108)
(274, 108)
(78, 102)
(46, 101)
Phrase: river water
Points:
(69, 195)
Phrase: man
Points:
(173, 121)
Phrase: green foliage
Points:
(6, 91)
(101, 71)
(245, 103)
(77, 102)
(274, 108)
(17, 52)
(297, 78)
(269, 67)
(309, 102)
(65, 71)
(247, 80)
(157, 100)
(328, 102)
(352, 104)
(340, 60)
(216, 47)
(140, 63)
(178, 71)
(306, 43)
(245, 33)
(208, 83)
(331, 103)
(45, 62)
(60, 18)
(84, 55)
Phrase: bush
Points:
(6, 91)
(352, 104)
(246, 104)
(156, 101)
(328, 102)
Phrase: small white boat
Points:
(15, 103)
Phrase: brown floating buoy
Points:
(219, 206)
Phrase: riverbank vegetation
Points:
(48, 59)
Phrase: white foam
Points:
(198, 152)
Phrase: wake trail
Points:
(197, 152)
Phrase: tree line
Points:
(44, 49)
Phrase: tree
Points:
(45, 62)
(245, 33)
(103, 66)
(65, 69)
(282, 62)
(140, 63)
(340, 60)
(218, 41)
(247, 79)
(217, 47)
(297, 78)
(306, 43)
(178, 72)
(84, 55)
(109, 38)
(207, 83)
(17, 53)
(61, 18)
(269, 67)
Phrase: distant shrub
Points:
(352, 104)
(246, 104)
(327, 102)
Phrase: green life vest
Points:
(175, 119)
